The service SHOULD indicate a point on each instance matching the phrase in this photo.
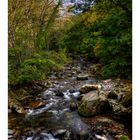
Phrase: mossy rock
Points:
(88, 109)
(73, 106)
(94, 107)
(124, 137)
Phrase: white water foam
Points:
(38, 111)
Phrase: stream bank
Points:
(73, 105)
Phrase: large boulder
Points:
(89, 87)
(92, 104)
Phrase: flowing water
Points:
(53, 119)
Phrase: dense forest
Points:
(70, 69)
(40, 39)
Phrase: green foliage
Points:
(36, 67)
(30, 23)
(114, 46)
(124, 138)
(104, 32)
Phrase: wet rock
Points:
(92, 104)
(76, 94)
(10, 137)
(82, 77)
(48, 84)
(101, 137)
(21, 110)
(43, 136)
(67, 135)
(79, 98)
(29, 138)
(82, 135)
(72, 90)
(59, 93)
(53, 77)
(59, 133)
(112, 95)
(73, 106)
(89, 87)
(10, 132)
(70, 75)
(36, 104)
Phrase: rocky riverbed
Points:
(72, 105)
